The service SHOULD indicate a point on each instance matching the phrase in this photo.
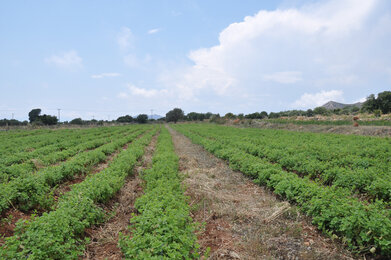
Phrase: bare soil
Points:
(104, 238)
(241, 220)
(8, 222)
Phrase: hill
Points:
(331, 105)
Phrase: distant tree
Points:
(274, 115)
(48, 120)
(263, 114)
(175, 115)
(142, 118)
(34, 114)
(309, 113)
(241, 116)
(76, 121)
(125, 119)
(229, 115)
(384, 101)
(321, 111)
(370, 104)
(208, 115)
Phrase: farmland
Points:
(58, 186)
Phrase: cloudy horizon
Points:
(114, 59)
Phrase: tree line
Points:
(375, 105)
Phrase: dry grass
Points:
(242, 220)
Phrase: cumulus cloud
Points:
(105, 75)
(125, 38)
(69, 59)
(327, 46)
(153, 31)
(318, 99)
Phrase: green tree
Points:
(34, 114)
(384, 101)
(321, 111)
(48, 120)
(125, 119)
(76, 121)
(175, 115)
(229, 115)
(370, 104)
(142, 118)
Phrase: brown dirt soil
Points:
(242, 220)
(104, 238)
(8, 222)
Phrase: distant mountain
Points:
(156, 117)
(331, 105)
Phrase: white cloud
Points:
(69, 59)
(327, 45)
(153, 31)
(141, 92)
(125, 38)
(106, 74)
(284, 77)
(318, 99)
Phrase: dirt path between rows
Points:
(104, 238)
(241, 219)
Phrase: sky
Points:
(104, 59)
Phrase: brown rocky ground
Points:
(241, 220)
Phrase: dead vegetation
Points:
(381, 131)
(239, 219)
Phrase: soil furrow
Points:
(10, 217)
(104, 238)
(242, 220)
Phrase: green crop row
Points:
(58, 234)
(33, 190)
(43, 138)
(362, 226)
(85, 143)
(331, 159)
(163, 229)
(63, 143)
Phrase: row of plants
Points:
(40, 162)
(328, 158)
(42, 138)
(34, 190)
(362, 226)
(61, 143)
(59, 233)
(163, 228)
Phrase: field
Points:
(190, 191)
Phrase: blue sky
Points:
(103, 59)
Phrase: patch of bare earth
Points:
(104, 238)
(241, 219)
